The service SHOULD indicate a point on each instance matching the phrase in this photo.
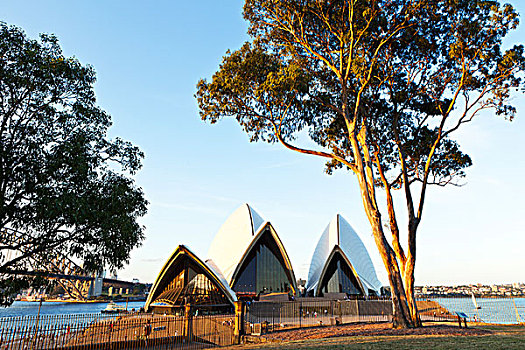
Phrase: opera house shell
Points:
(250, 254)
(247, 259)
(187, 279)
(341, 263)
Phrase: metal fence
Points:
(261, 317)
(153, 331)
(481, 309)
(125, 331)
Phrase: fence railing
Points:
(153, 331)
(263, 317)
(124, 331)
(507, 310)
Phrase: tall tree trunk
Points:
(358, 138)
(409, 288)
(401, 311)
(410, 270)
(402, 317)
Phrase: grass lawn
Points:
(503, 337)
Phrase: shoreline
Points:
(70, 301)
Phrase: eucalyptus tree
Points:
(380, 86)
(65, 187)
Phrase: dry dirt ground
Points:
(370, 329)
(382, 336)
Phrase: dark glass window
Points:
(339, 278)
(263, 270)
(246, 282)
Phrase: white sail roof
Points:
(211, 264)
(340, 233)
(234, 238)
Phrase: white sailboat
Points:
(474, 302)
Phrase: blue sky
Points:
(149, 57)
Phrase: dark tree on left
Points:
(64, 185)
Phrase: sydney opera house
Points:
(341, 264)
(247, 260)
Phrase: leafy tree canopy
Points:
(380, 86)
(65, 188)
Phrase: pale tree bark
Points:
(402, 315)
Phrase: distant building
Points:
(95, 288)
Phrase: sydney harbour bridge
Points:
(74, 280)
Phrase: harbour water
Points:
(491, 310)
(29, 308)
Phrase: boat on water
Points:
(113, 308)
(475, 302)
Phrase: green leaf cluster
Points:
(64, 185)
(408, 72)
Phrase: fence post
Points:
(187, 329)
(35, 338)
(340, 309)
(300, 313)
(273, 317)
(238, 321)
(392, 305)
(518, 318)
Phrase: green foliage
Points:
(409, 72)
(254, 80)
(63, 183)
